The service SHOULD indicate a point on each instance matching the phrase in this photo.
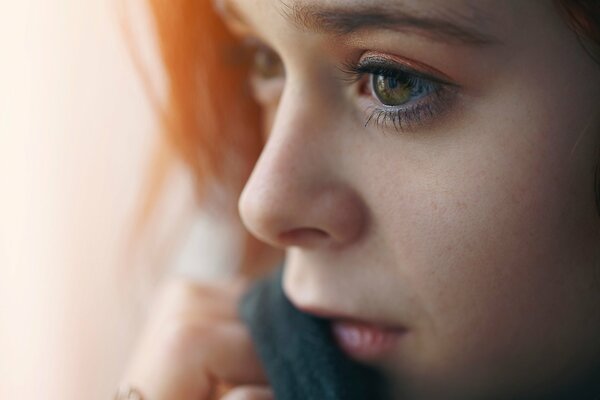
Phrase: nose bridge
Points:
(297, 142)
(294, 195)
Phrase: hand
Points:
(194, 343)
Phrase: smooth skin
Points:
(474, 227)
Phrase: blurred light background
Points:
(77, 131)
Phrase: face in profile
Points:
(429, 168)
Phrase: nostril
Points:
(302, 237)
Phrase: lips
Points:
(360, 339)
(365, 341)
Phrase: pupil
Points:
(393, 83)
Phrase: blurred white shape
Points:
(207, 253)
(76, 132)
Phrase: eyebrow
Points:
(344, 21)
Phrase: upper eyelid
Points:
(356, 71)
(369, 63)
(419, 74)
(400, 68)
(408, 64)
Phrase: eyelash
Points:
(415, 111)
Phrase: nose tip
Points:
(302, 216)
(304, 237)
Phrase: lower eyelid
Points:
(407, 117)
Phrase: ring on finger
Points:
(128, 393)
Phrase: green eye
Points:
(398, 95)
(392, 90)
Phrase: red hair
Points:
(209, 120)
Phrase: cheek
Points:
(494, 230)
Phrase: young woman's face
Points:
(430, 165)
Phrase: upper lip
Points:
(340, 316)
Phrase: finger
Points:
(233, 357)
(250, 393)
(186, 362)
(182, 354)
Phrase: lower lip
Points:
(365, 341)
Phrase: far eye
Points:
(265, 71)
(266, 64)
(399, 88)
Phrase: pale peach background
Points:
(76, 133)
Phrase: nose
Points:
(298, 194)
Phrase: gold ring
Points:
(128, 393)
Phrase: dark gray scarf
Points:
(298, 353)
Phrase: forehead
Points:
(465, 5)
(468, 14)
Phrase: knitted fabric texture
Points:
(298, 352)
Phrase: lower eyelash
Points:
(407, 118)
